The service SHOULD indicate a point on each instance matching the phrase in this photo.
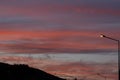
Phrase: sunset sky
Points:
(60, 26)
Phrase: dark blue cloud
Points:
(114, 4)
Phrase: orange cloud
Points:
(57, 41)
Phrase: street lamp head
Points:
(102, 35)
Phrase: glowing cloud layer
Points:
(58, 26)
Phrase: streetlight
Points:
(118, 42)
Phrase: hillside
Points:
(24, 72)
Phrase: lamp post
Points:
(118, 43)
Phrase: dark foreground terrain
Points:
(23, 72)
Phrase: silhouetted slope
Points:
(23, 72)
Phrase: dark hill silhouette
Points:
(23, 72)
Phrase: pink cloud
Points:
(57, 41)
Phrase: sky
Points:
(59, 26)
